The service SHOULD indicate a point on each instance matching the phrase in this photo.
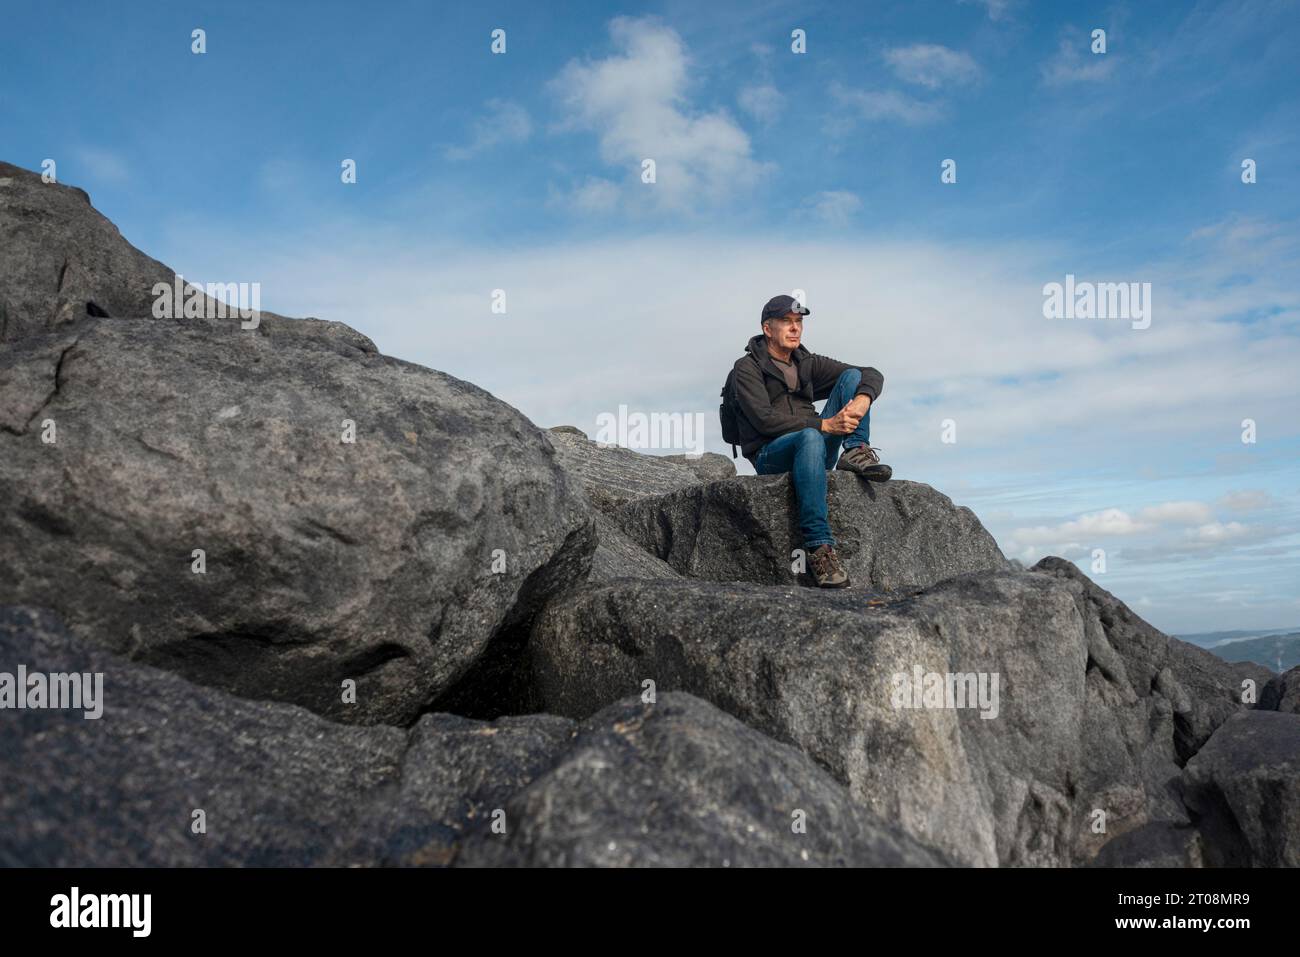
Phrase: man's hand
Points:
(847, 419)
(842, 422)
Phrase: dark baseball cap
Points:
(779, 306)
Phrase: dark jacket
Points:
(768, 407)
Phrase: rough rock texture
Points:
(610, 477)
(891, 535)
(675, 783)
(1074, 733)
(1202, 688)
(613, 475)
(279, 786)
(617, 556)
(678, 783)
(59, 255)
(325, 560)
(709, 466)
(127, 442)
(1155, 844)
(1282, 693)
(1244, 788)
(62, 261)
(816, 669)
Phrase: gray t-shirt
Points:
(790, 371)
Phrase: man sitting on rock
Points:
(776, 383)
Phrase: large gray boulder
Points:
(61, 257)
(393, 561)
(610, 476)
(708, 466)
(891, 535)
(276, 785)
(1154, 844)
(1244, 788)
(677, 783)
(61, 261)
(1202, 688)
(1074, 751)
(617, 556)
(1282, 693)
(174, 775)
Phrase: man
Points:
(776, 383)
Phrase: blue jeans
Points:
(807, 454)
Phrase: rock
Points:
(609, 477)
(1203, 688)
(62, 261)
(278, 785)
(816, 669)
(60, 256)
(613, 475)
(1156, 844)
(617, 556)
(1282, 693)
(708, 466)
(680, 784)
(325, 561)
(1244, 788)
(1073, 733)
(676, 783)
(893, 535)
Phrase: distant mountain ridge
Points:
(1212, 639)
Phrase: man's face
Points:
(786, 331)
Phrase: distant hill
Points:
(1278, 652)
(1210, 639)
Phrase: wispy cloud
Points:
(1186, 513)
(504, 122)
(763, 101)
(835, 207)
(1074, 62)
(880, 105)
(932, 66)
(1245, 500)
(592, 196)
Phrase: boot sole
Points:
(871, 475)
(843, 584)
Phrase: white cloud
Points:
(504, 122)
(1245, 500)
(1182, 513)
(763, 101)
(636, 102)
(1217, 532)
(874, 105)
(932, 66)
(833, 206)
(1108, 522)
(1075, 62)
(593, 196)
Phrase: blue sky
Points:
(774, 171)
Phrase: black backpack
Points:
(729, 413)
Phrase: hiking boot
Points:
(864, 460)
(827, 569)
